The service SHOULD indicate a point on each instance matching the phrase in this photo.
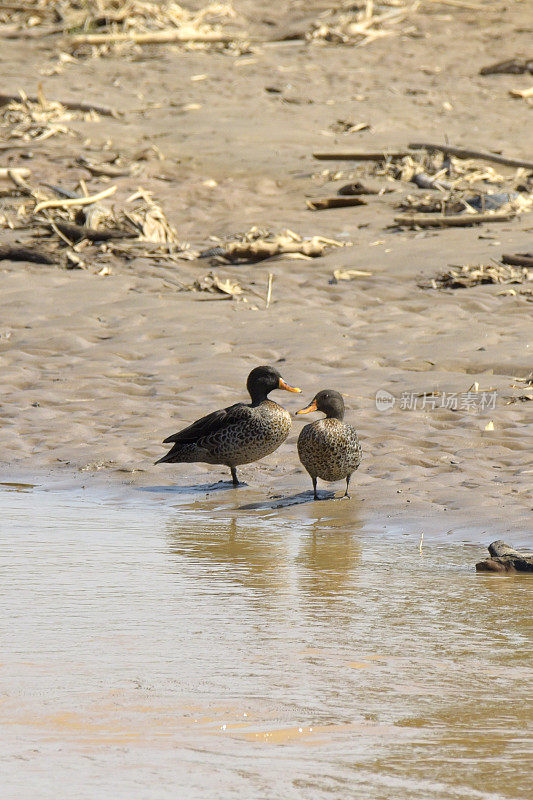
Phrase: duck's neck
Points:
(335, 413)
(258, 396)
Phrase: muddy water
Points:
(155, 648)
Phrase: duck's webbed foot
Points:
(234, 477)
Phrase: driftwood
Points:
(334, 202)
(505, 559)
(259, 250)
(512, 66)
(449, 221)
(155, 37)
(73, 105)
(464, 152)
(78, 232)
(10, 252)
(361, 155)
(518, 259)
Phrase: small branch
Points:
(450, 221)
(77, 201)
(155, 37)
(18, 253)
(9, 172)
(32, 33)
(335, 202)
(518, 260)
(513, 66)
(463, 152)
(78, 232)
(375, 155)
(73, 105)
(523, 93)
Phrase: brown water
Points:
(154, 646)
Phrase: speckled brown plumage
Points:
(238, 434)
(329, 448)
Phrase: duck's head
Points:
(263, 380)
(329, 401)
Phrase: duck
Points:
(329, 448)
(238, 434)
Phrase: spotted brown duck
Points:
(329, 448)
(240, 433)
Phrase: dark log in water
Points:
(505, 559)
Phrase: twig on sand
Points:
(18, 253)
(361, 155)
(464, 152)
(32, 33)
(512, 66)
(459, 4)
(518, 259)
(269, 289)
(523, 93)
(9, 172)
(73, 105)
(78, 232)
(334, 202)
(75, 201)
(155, 37)
(449, 221)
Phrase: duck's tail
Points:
(173, 455)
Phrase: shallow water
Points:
(153, 647)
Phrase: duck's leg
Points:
(314, 487)
(347, 484)
(234, 477)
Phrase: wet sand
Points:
(98, 370)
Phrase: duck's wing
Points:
(211, 423)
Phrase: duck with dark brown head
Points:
(329, 448)
(240, 433)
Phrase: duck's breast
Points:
(329, 449)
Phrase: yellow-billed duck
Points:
(240, 433)
(329, 448)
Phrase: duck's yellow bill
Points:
(308, 409)
(283, 385)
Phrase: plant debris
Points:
(258, 245)
(350, 24)
(32, 121)
(216, 284)
(459, 277)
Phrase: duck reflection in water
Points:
(247, 554)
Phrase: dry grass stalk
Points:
(75, 202)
